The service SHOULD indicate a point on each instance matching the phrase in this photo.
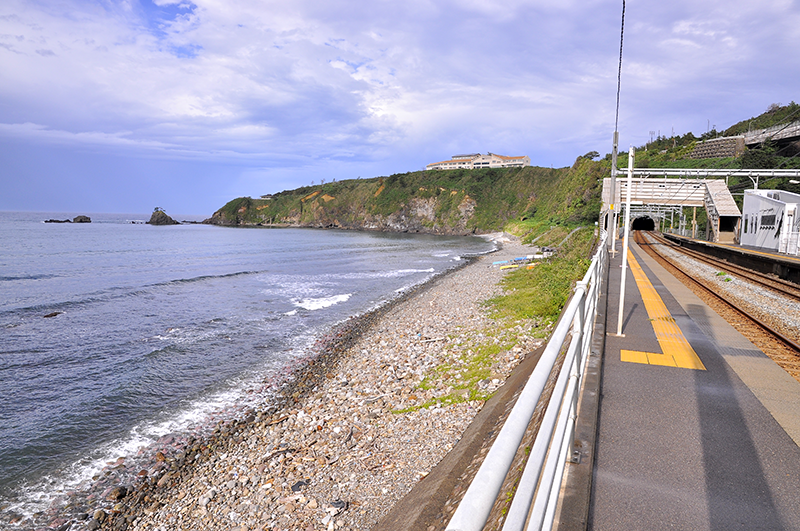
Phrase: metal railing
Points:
(537, 492)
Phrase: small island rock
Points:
(82, 219)
(160, 217)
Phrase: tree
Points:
(759, 158)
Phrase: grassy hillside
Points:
(525, 201)
(775, 114)
(438, 202)
(674, 151)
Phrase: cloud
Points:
(381, 86)
(97, 138)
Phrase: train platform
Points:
(770, 254)
(697, 429)
(784, 266)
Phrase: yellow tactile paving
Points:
(773, 254)
(677, 352)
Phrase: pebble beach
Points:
(355, 430)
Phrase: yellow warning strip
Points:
(677, 352)
(775, 254)
(745, 250)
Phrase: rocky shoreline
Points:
(381, 403)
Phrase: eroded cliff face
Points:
(434, 202)
(421, 215)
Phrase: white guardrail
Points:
(536, 495)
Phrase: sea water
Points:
(115, 333)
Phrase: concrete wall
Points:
(731, 146)
(767, 215)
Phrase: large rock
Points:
(220, 218)
(82, 219)
(160, 217)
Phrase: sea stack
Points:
(160, 217)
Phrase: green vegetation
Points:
(524, 201)
(776, 114)
(530, 305)
(542, 206)
(675, 151)
(439, 202)
(541, 292)
(469, 363)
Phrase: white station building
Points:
(770, 220)
(476, 160)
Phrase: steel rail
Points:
(780, 286)
(556, 431)
(788, 342)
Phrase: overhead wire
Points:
(619, 71)
(770, 137)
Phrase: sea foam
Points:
(323, 302)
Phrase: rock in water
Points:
(82, 219)
(160, 217)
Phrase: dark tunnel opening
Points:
(643, 223)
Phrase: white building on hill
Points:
(476, 160)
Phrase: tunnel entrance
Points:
(643, 223)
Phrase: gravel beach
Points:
(355, 432)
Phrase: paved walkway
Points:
(698, 429)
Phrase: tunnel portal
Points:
(643, 223)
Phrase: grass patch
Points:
(467, 364)
(532, 301)
(542, 292)
(537, 293)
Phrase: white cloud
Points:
(365, 86)
(286, 69)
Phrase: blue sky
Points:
(120, 106)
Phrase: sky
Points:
(121, 106)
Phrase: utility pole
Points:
(631, 156)
(612, 205)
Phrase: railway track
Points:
(770, 336)
(780, 286)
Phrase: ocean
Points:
(116, 334)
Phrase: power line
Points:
(619, 72)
